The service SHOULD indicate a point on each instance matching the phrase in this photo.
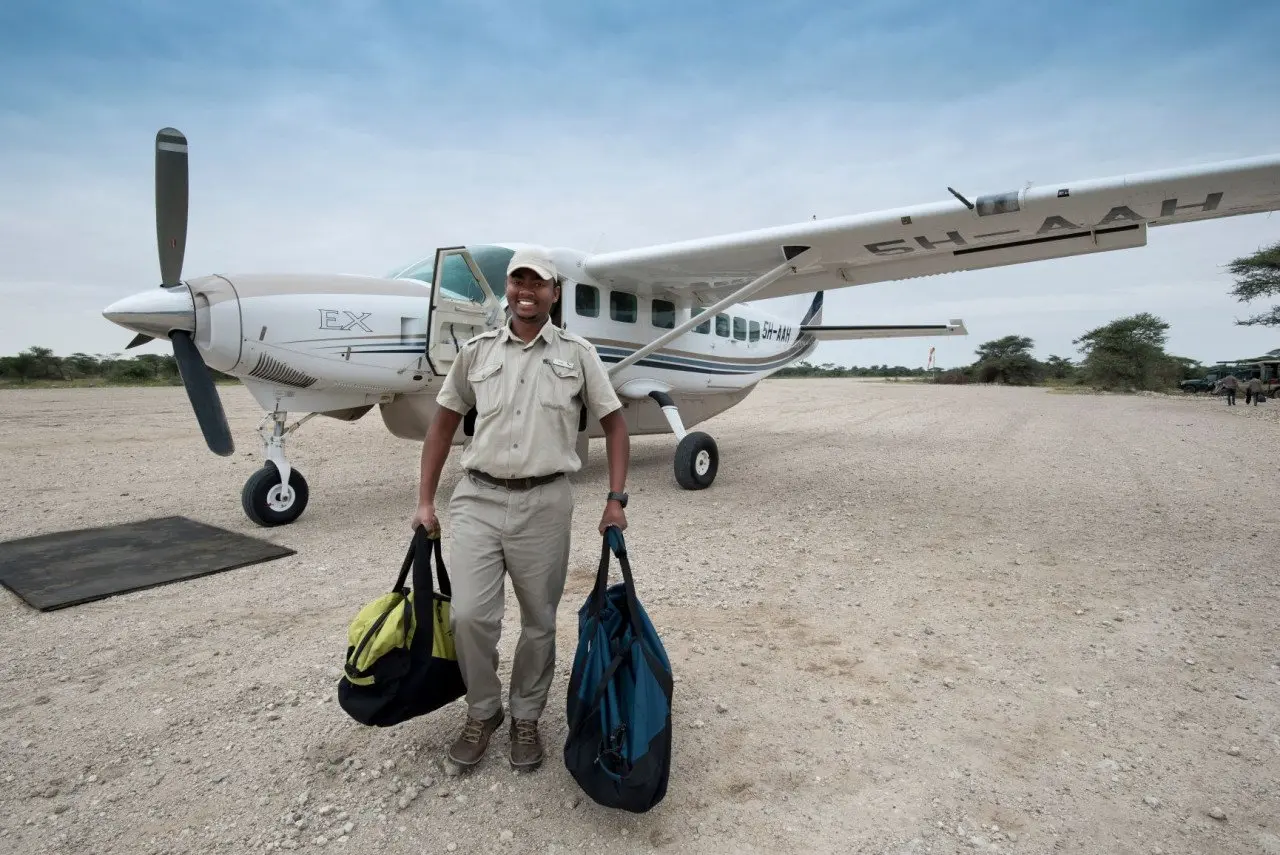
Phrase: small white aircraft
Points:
(671, 322)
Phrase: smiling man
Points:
(512, 510)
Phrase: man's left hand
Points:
(613, 515)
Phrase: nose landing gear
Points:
(277, 493)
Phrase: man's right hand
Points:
(426, 517)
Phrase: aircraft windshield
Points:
(457, 281)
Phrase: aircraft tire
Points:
(256, 497)
(697, 460)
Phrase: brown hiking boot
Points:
(526, 745)
(474, 739)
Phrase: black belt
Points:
(515, 483)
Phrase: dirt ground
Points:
(905, 619)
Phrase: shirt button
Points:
(517, 412)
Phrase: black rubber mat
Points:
(67, 568)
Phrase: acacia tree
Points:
(1059, 368)
(1258, 276)
(1007, 360)
(1128, 354)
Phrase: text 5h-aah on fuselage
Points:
(671, 322)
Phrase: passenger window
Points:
(740, 329)
(722, 326)
(587, 299)
(755, 330)
(664, 314)
(705, 326)
(623, 307)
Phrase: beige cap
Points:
(536, 259)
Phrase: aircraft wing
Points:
(845, 332)
(988, 230)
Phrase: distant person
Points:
(1229, 384)
(1253, 389)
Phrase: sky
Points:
(357, 136)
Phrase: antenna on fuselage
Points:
(966, 202)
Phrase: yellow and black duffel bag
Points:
(400, 660)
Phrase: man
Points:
(1229, 384)
(512, 509)
(1253, 389)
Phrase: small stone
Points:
(325, 810)
(721, 708)
(949, 682)
(1151, 801)
(348, 827)
(507, 835)
(452, 847)
(1217, 813)
(1234, 751)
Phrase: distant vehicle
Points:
(1208, 381)
(1267, 369)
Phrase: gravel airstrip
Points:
(905, 619)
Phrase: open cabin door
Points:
(463, 304)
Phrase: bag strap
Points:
(398, 587)
(423, 583)
(614, 541)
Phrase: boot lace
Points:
(473, 730)
(526, 732)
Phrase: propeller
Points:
(171, 235)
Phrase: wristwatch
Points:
(621, 497)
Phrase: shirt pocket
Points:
(486, 384)
(559, 385)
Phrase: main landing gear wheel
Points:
(697, 460)
(265, 500)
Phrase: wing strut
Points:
(791, 265)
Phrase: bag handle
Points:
(423, 584)
(613, 541)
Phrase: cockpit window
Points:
(458, 281)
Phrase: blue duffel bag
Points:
(619, 701)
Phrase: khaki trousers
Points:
(524, 534)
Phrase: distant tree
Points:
(48, 366)
(1128, 354)
(1059, 368)
(1007, 360)
(1258, 276)
(81, 365)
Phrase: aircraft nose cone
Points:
(156, 312)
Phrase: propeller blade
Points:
(140, 338)
(202, 394)
(171, 203)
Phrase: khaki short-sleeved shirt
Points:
(528, 399)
